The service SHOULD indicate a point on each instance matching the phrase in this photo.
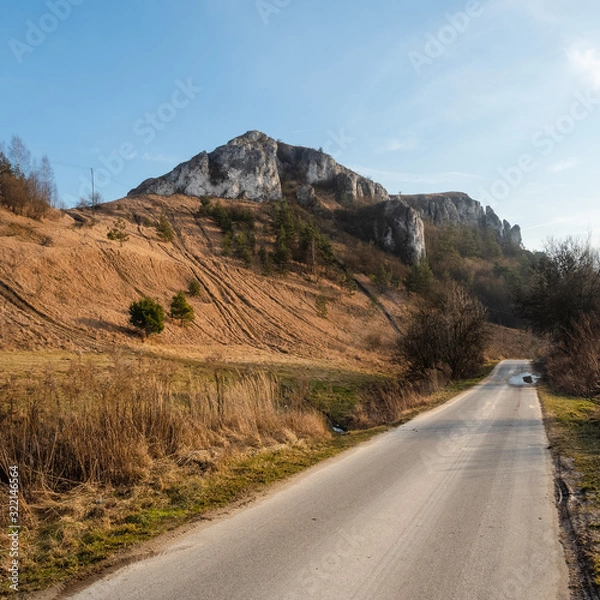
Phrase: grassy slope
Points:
(64, 285)
(112, 520)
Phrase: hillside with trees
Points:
(27, 186)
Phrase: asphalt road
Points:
(457, 504)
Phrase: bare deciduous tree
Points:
(26, 188)
(47, 181)
(19, 156)
(563, 286)
(573, 362)
(448, 334)
(562, 301)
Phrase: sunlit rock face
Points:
(404, 231)
(246, 168)
(315, 168)
(253, 166)
(392, 225)
(456, 208)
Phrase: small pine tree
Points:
(246, 256)
(283, 254)
(309, 246)
(266, 261)
(242, 243)
(181, 310)
(194, 288)
(348, 281)
(118, 232)
(262, 255)
(227, 245)
(164, 229)
(326, 253)
(420, 278)
(205, 206)
(284, 217)
(321, 304)
(147, 315)
(223, 218)
(382, 278)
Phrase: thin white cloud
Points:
(586, 62)
(395, 145)
(160, 158)
(430, 178)
(537, 9)
(583, 219)
(546, 224)
(564, 165)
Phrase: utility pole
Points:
(93, 199)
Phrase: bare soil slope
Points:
(64, 284)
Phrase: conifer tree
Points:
(181, 310)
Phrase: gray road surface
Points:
(455, 505)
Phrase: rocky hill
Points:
(397, 225)
(258, 168)
(65, 284)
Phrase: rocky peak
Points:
(251, 137)
(253, 165)
(246, 167)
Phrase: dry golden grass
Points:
(141, 433)
(93, 425)
(112, 450)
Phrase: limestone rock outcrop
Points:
(392, 225)
(401, 230)
(456, 208)
(315, 168)
(253, 166)
(246, 168)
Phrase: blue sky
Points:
(498, 98)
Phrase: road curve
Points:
(457, 504)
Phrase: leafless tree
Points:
(19, 156)
(563, 287)
(448, 334)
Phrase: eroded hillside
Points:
(64, 284)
